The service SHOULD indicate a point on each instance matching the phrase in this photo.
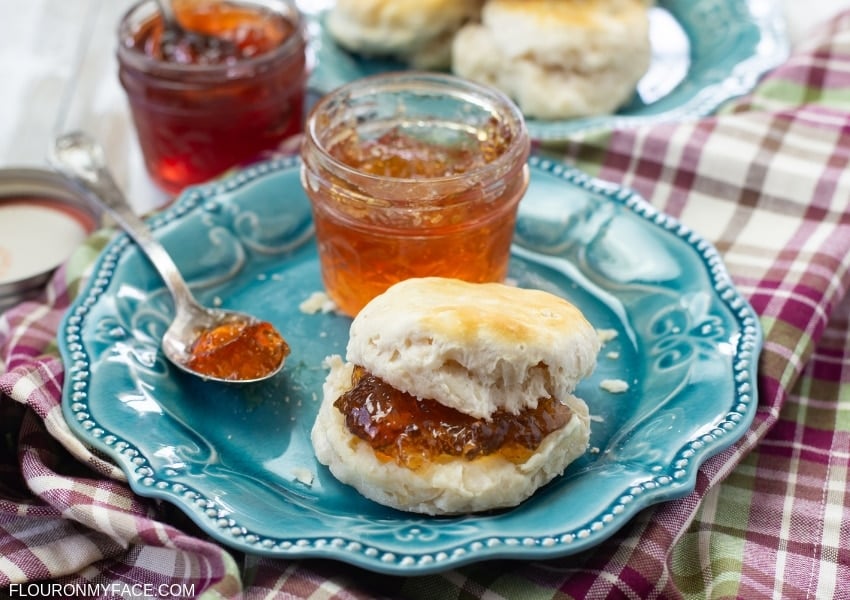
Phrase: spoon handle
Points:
(80, 158)
(167, 12)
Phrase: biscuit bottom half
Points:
(449, 485)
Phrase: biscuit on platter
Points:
(418, 32)
(558, 58)
(456, 397)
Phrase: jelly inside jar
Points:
(458, 231)
(413, 432)
(238, 351)
(213, 33)
(423, 151)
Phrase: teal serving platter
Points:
(238, 460)
(704, 52)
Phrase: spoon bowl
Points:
(81, 160)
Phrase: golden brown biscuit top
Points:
(476, 347)
(465, 311)
(552, 13)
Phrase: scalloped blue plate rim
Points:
(604, 522)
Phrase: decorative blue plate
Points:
(704, 52)
(238, 460)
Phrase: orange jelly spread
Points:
(461, 229)
(238, 351)
(400, 155)
(414, 432)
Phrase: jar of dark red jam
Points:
(228, 88)
(411, 175)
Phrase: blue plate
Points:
(238, 460)
(704, 52)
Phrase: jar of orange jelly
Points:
(412, 175)
(217, 93)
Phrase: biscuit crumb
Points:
(615, 386)
(606, 335)
(303, 475)
(317, 302)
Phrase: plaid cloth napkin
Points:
(767, 181)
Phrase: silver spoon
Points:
(168, 16)
(80, 159)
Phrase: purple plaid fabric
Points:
(766, 180)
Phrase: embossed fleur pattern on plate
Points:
(680, 334)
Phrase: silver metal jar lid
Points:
(42, 221)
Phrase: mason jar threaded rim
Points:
(489, 100)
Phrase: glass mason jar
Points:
(410, 175)
(200, 108)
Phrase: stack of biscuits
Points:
(556, 59)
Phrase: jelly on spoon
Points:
(215, 344)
